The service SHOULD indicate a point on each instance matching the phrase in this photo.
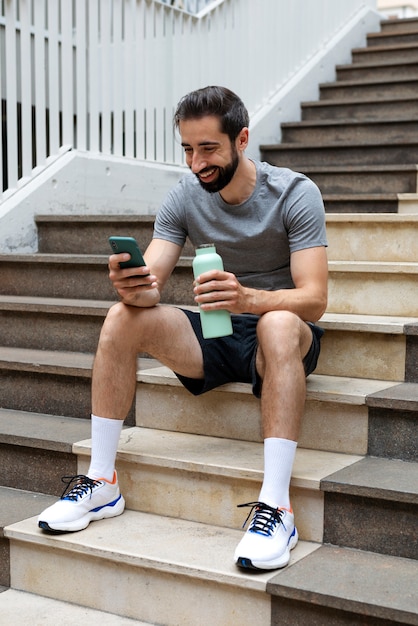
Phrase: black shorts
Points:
(232, 359)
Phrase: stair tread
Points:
(360, 101)
(41, 431)
(367, 323)
(347, 121)
(53, 305)
(339, 144)
(372, 477)
(319, 386)
(40, 611)
(18, 504)
(342, 389)
(170, 545)
(365, 583)
(231, 458)
(369, 81)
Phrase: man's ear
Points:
(242, 139)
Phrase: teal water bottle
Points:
(214, 323)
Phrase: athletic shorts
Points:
(232, 359)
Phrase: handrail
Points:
(104, 75)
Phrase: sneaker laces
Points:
(265, 518)
(83, 485)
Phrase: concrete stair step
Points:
(388, 237)
(50, 382)
(399, 25)
(357, 203)
(45, 277)
(378, 70)
(331, 131)
(369, 288)
(35, 447)
(41, 323)
(36, 610)
(169, 571)
(385, 89)
(389, 37)
(73, 326)
(393, 420)
(166, 467)
(380, 495)
(66, 276)
(380, 54)
(396, 109)
(16, 505)
(353, 153)
(335, 416)
(343, 586)
(67, 234)
(364, 179)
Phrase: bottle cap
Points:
(206, 245)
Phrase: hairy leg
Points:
(162, 331)
(284, 340)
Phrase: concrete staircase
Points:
(185, 463)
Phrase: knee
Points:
(117, 324)
(278, 323)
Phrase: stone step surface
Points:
(36, 610)
(394, 108)
(380, 54)
(332, 180)
(379, 70)
(16, 505)
(400, 25)
(73, 326)
(395, 87)
(375, 238)
(166, 467)
(349, 153)
(357, 203)
(341, 586)
(48, 276)
(392, 38)
(37, 447)
(331, 131)
(162, 402)
(373, 506)
(187, 564)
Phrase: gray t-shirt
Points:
(284, 213)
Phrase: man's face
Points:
(210, 154)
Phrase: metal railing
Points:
(104, 75)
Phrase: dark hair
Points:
(218, 101)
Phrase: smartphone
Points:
(127, 244)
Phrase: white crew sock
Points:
(105, 435)
(279, 455)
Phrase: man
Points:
(268, 226)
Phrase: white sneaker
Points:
(269, 538)
(89, 500)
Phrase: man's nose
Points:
(198, 163)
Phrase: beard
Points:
(225, 174)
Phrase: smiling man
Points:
(268, 224)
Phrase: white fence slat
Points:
(53, 77)
(106, 76)
(128, 82)
(81, 75)
(40, 82)
(11, 95)
(67, 73)
(93, 80)
(26, 87)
